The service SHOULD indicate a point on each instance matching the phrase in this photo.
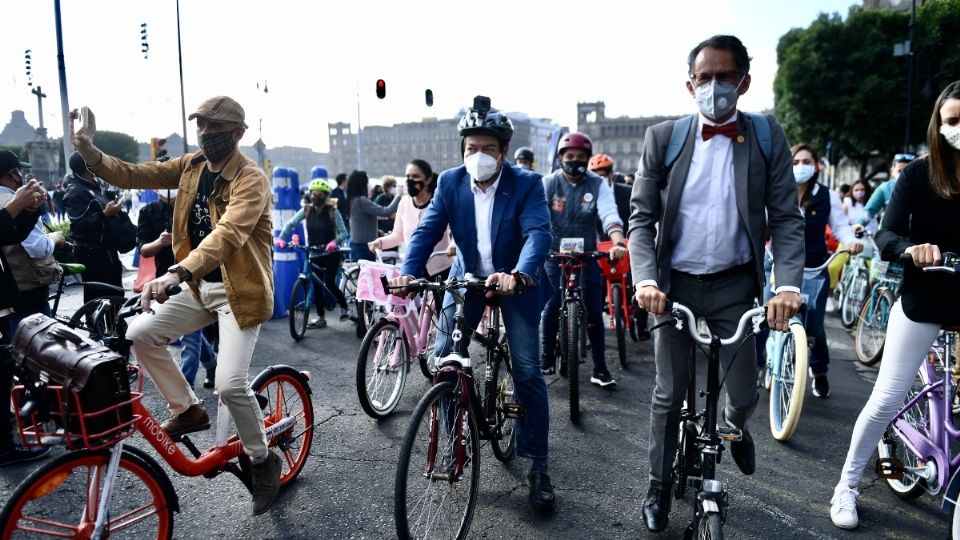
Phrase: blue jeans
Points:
(529, 385)
(196, 351)
(817, 289)
(592, 300)
(360, 252)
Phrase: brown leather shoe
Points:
(265, 483)
(193, 419)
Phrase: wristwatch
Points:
(181, 272)
(523, 280)
(621, 244)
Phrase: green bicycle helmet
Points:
(319, 184)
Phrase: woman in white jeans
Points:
(922, 219)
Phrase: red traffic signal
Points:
(428, 95)
(381, 88)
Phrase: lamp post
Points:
(183, 104)
(62, 70)
(910, 62)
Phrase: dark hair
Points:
(725, 43)
(943, 178)
(77, 165)
(844, 189)
(808, 187)
(341, 178)
(427, 171)
(866, 186)
(357, 185)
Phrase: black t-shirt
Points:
(155, 218)
(199, 225)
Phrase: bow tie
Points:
(729, 129)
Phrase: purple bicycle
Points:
(916, 453)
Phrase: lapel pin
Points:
(740, 139)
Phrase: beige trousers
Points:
(185, 313)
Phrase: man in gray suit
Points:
(712, 205)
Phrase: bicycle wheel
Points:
(61, 499)
(709, 526)
(382, 369)
(572, 353)
(98, 327)
(427, 366)
(788, 384)
(430, 500)
(686, 460)
(299, 308)
(504, 427)
(853, 298)
(365, 317)
(872, 327)
(287, 396)
(619, 324)
(910, 486)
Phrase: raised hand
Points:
(83, 138)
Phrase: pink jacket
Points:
(407, 221)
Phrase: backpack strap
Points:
(761, 126)
(678, 136)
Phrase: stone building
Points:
(620, 138)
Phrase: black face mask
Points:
(217, 146)
(318, 200)
(414, 187)
(574, 168)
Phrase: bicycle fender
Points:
(135, 454)
(950, 495)
(262, 377)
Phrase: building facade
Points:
(620, 138)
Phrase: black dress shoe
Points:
(656, 508)
(744, 454)
(541, 493)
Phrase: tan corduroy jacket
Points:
(241, 238)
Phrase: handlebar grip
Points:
(905, 258)
(27, 410)
(385, 284)
(172, 290)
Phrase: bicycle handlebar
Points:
(827, 262)
(950, 263)
(584, 256)
(421, 284)
(681, 313)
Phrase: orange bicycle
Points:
(107, 488)
(624, 315)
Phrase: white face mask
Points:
(952, 135)
(804, 172)
(480, 166)
(392, 191)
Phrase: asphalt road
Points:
(599, 469)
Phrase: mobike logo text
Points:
(154, 430)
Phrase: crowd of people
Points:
(714, 192)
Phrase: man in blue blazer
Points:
(499, 220)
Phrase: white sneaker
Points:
(843, 506)
(831, 305)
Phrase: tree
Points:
(839, 83)
(119, 145)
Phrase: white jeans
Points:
(185, 313)
(906, 347)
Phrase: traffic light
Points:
(157, 151)
(26, 59)
(381, 88)
(144, 46)
(429, 97)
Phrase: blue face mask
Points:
(717, 99)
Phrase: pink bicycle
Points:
(407, 332)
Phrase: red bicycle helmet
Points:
(575, 140)
(600, 161)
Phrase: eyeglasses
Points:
(904, 157)
(727, 77)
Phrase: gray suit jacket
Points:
(762, 199)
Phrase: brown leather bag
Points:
(53, 353)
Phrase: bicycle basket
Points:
(370, 289)
(612, 271)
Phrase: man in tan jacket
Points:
(221, 242)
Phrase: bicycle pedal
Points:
(729, 434)
(890, 468)
(513, 410)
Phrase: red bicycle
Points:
(625, 315)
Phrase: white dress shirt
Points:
(483, 207)
(708, 235)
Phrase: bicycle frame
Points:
(314, 274)
(414, 325)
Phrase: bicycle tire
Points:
(106, 325)
(891, 446)
(504, 442)
(427, 367)
(572, 353)
(619, 324)
(788, 387)
(299, 308)
(288, 396)
(709, 526)
(442, 400)
(48, 494)
(686, 458)
(365, 317)
(380, 381)
(854, 298)
(871, 330)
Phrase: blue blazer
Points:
(520, 228)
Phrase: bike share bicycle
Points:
(624, 314)
(700, 446)
(77, 494)
(918, 452)
(438, 472)
(786, 357)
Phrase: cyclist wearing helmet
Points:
(325, 229)
(498, 216)
(577, 199)
(878, 201)
(524, 158)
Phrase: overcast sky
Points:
(536, 56)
